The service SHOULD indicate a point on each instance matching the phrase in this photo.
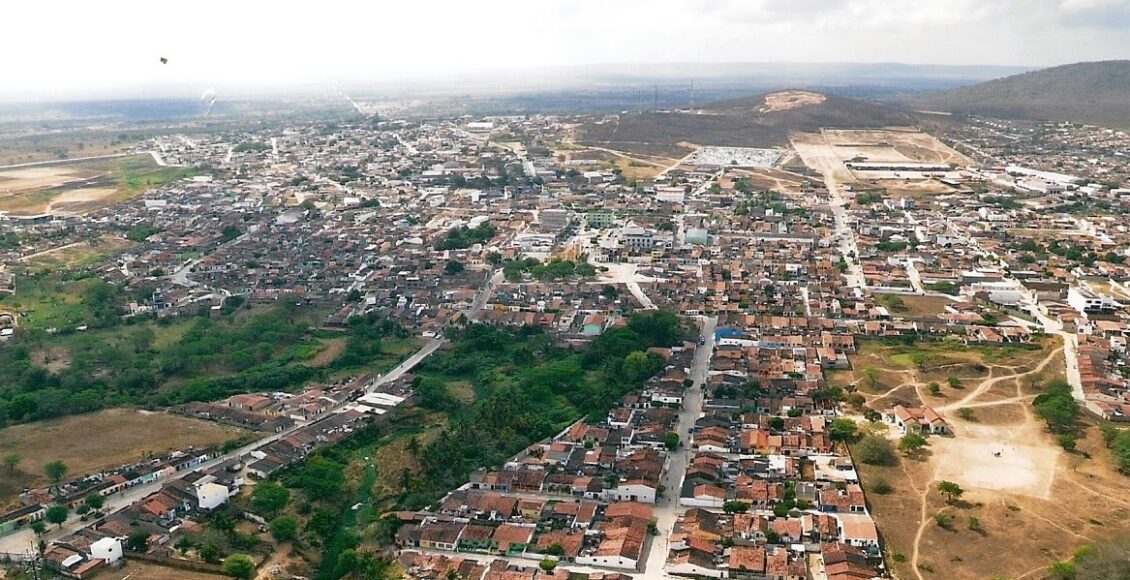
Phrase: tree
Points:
(735, 507)
(935, 389)
(11, 461)
(138, 541)
(881, 487)
(38, 528)
(842, 429)
(856, 400)
(284, 528)
(1066, 441)
(209, 553)
(95, 501)
(1120, 451)
(871, 376)
(671, 441)
(55, 471)
(974, 524)
(954, 382)
(951, 490)
(547, 564)
(239, 566)
(269, 497)
(912, 442)
(554, 549)
(57, 514)
(875, 450)
(452, 267)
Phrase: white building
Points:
(211, 495)
(107, 549)
(1085, 301)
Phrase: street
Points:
(667, 507)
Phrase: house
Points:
(921, 420)
(19, 517)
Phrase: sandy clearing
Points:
(788, 100)
(17, 181)
(1020, 469)
(77, 197)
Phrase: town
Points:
(869, 337)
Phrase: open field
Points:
(1030, 502)
(892, 146)
(79, 255)
(137, 570)
(47, 302)
(81, 187)
(913, 306)
(87, 443)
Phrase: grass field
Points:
(88, 443)
(82, 187)
(80, 255)
(46, 302)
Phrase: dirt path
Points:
(971, 401)
(988, 383)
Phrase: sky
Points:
(54, 49)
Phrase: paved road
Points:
(667, 509)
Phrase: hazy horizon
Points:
(95, 51)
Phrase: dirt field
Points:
(913, 306)
(134, 570)
(892, 146)
(81, 186)
(19, 181)
(787, 100)
(1031, 505)
(87, 443)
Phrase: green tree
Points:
(875, 450)
(951, 490)
(911, 443)
(842, 429)
(735, 507)
(547, 564)
(1120, 451)
(871, 377)
(57, 514)
(452, 267)
(95, 501)
(138, 541)
(55, 471)
(239, 566)
(269, 497)
(284, 528)
(671, 441)
(11, 461)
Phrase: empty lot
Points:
(94, 441)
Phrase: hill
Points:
(760, 121)
(1086, 92)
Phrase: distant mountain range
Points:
(1087, 92)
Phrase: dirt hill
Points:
(760, 121)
